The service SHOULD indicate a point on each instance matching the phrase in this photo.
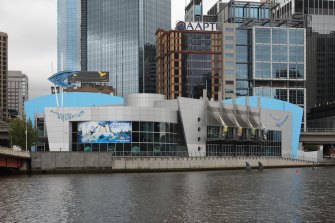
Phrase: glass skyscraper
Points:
(68, 38)
(319, 21)
(118, 36)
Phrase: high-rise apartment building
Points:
(3, 75)
(117, 36)
(189, 61)
(17, 91)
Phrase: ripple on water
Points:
(277, 195)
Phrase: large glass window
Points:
(279, 70)
(280, 94)
(279, 36)
(263, 52)
(126, 138)
(242, 37)
(242, 54)
(296, 96)
(296, 36)
(262, 35)
(242, 71)
(297, 54)
(279, 53)
(263, 70)
(296, 71)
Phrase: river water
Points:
(274, 195)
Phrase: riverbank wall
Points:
(77, 162)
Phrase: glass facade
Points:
(68, 37)
(202, 66)
(279, 65)
(270, 62)
(243, 142)
(145, 139)
(120, 37)
(243, 61)
(319, 16)
(116, 36)
(237, 11)
(320, 67)
(279, 53)
(189, 62)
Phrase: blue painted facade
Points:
(274, 104)
(73, 99)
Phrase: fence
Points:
(288, 157)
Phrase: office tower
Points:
(188, 62)
(118, 36)
(262, 55)
(17, 92)
(319, 21)
(194, 11)
(69, 35)
(3, 75)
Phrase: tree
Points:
(17, 133)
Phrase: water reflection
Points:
(277, 195)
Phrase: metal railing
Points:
(299, 158)
(209, 155)
(320, 130)
(13, 152)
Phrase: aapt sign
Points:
(198, 26)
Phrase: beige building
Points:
(17, 91)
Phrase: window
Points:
(263, 70)
(263, 52)
(229, 63)
(242, 71)
(279, 70)
(262, 35)
(296, 36)
(279, 36)
(242, 37)
(229, 38)
(242, 53)
(229, 72)
(229, 55)
(279, 53)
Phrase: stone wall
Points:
(106, 162)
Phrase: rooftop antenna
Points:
(52, 71)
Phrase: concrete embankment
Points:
(71, 162)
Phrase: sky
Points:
(31, 26)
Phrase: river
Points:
(272, 195)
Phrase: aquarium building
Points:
(151, 125)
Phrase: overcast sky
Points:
(31, 26)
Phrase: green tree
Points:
(17, 133)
